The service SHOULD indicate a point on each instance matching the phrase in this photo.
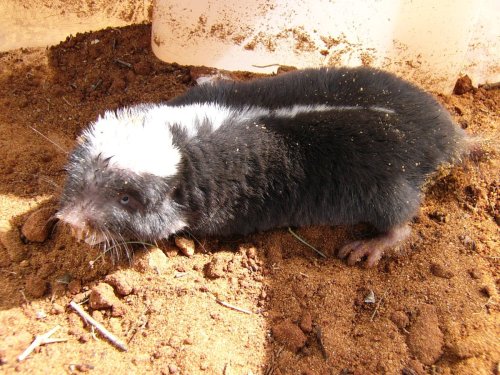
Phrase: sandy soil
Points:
(431, 308)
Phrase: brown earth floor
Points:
(436, 302)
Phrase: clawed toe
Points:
(372, 249)
(348, 248)
(357, 250)
(361, 251)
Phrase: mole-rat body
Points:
(311, 147)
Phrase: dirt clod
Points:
(289, 334)
(463, 85)
(102, 296)
(425, 339)
(488, 290)
(306, 323)
(120, 282)
(185, 245)
(475, 273)
(56, 309)
(38, 226)
(215, 268)
(400, 319)
(151, 260)
(84, 367)
(416, 367)
(36, 286)
(75, 286)
(173, 369)
(85, 337)
(439, 270)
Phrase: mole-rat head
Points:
(121, 178)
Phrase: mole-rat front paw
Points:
(355, 251)
(373, 248)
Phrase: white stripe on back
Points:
(139, 139)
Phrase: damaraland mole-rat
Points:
(311, 147)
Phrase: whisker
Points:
(51, 182)
(115, 248)
(107, 240)
(104, 244)
(118, 245)
(127, 250)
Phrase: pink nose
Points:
(74, 218)
(79, 226)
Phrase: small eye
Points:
(124, 199)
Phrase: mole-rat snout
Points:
(104, 203)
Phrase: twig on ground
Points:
(319, 337)
(40, 340)
(306, 243)
(229, 306)
(123, 63)
(112, 338)
(378, 305)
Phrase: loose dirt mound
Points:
(431, 309)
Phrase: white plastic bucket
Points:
(430, 42)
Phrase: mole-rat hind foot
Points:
(373, 248)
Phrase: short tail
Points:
(476, 148)
(468, 147)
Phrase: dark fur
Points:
(337, 167)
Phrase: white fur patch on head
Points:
(139, 139)
(134, 142)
